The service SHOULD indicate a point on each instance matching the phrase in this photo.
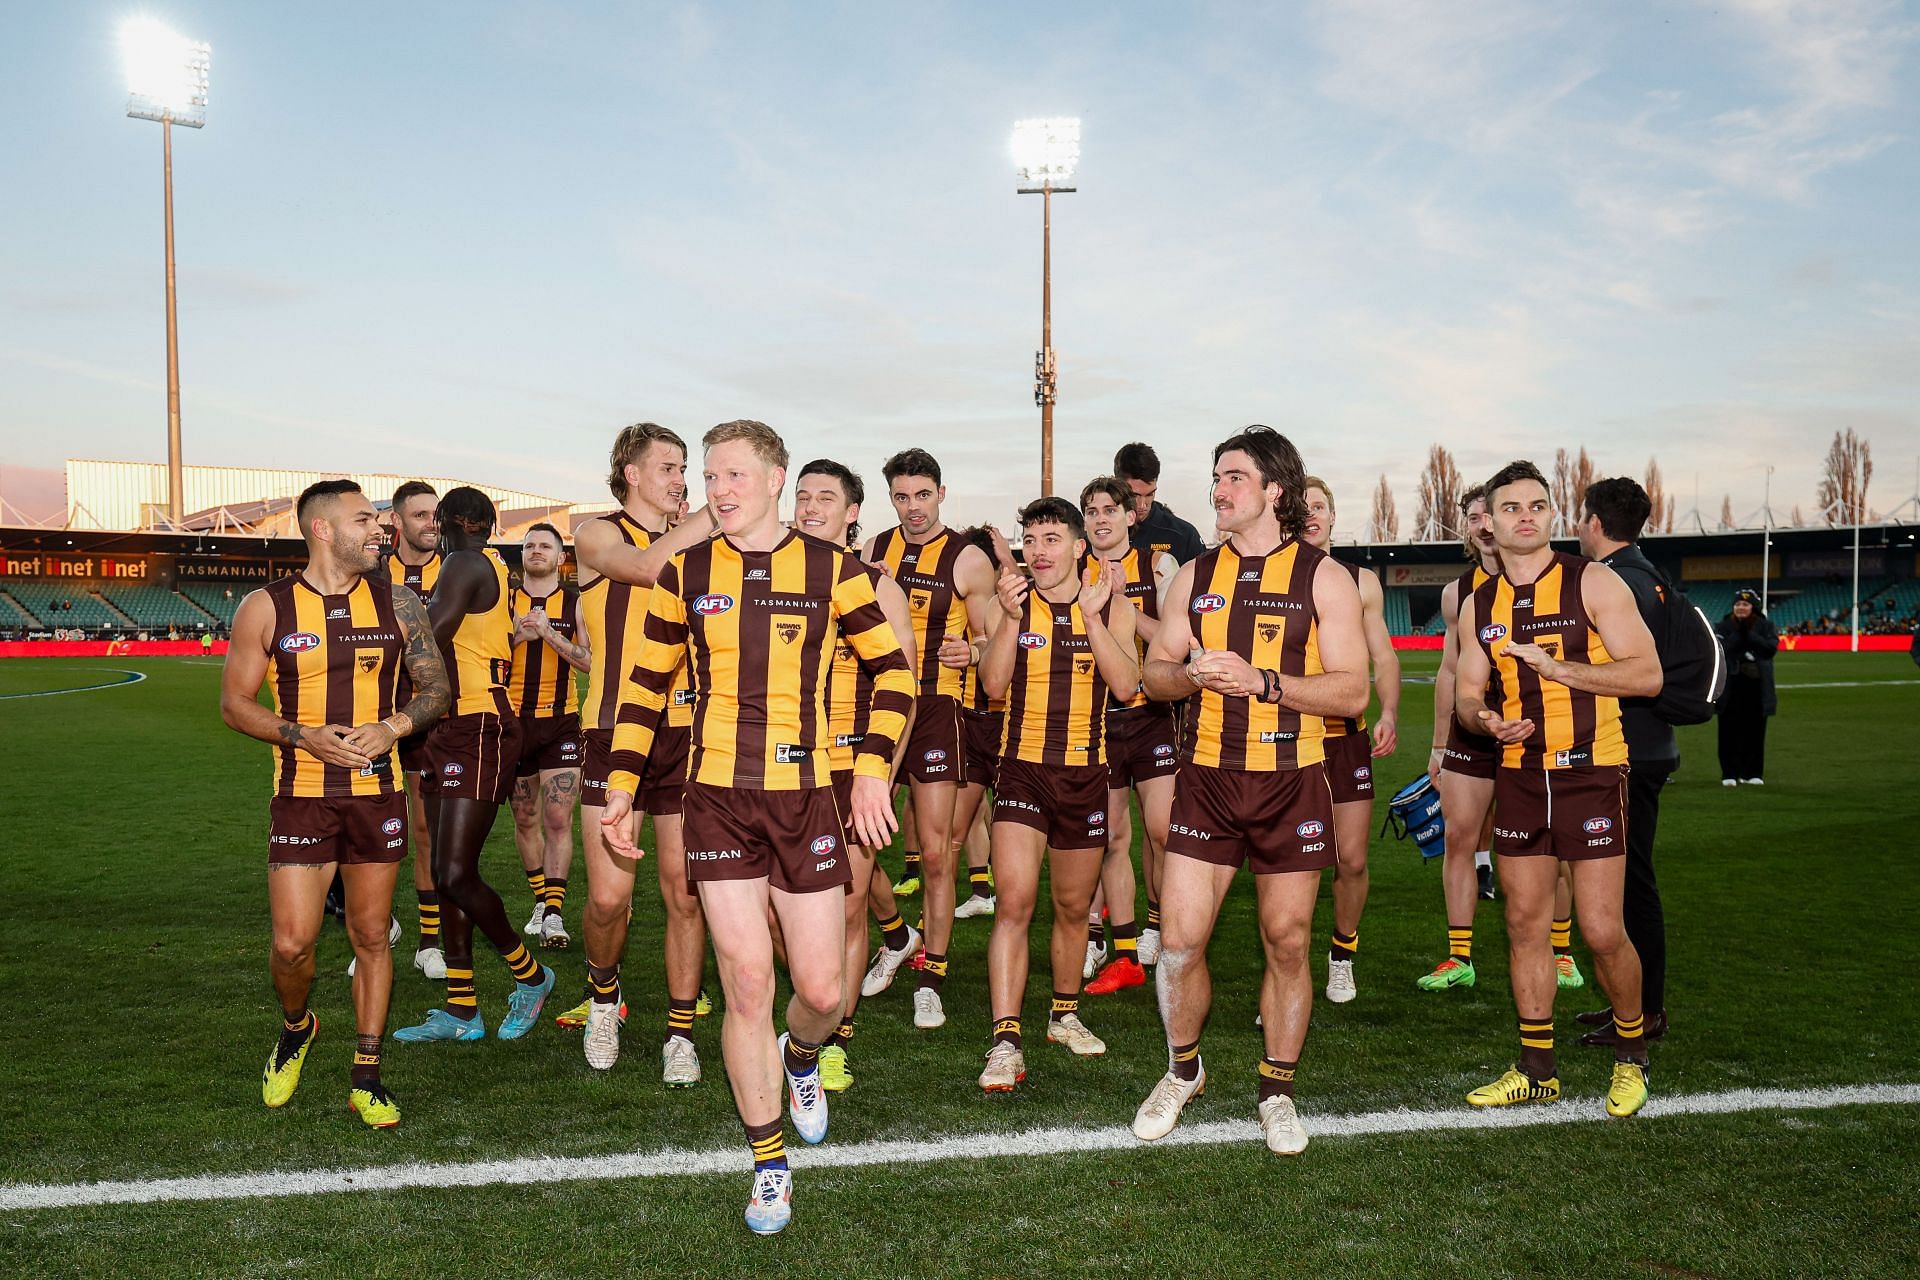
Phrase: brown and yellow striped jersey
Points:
(542, 682)
(757, 630)
(334, 660)
(1572, 728)
(481, 655)
(421, 578)
(1260, 607)
(924, 571)
(1141, 588)
(1341, 726)
(614, 614)
(1056, 704)
(849, 692)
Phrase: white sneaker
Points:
(886, 963)
(1149, 946)
(393, 940)
(1340, 988)
(927, 1013)
(602, 1039)
(806, 1100)
(1067, 1029)
(1753, 782)
(532, 927)
(1281, 1124)
(1096, 956)
(974, 906)
(1729, 782)
(679, 1063)
(1006, 1067)
(770, 1207)
(553, 932)
(1161, 1111)
(431, 961)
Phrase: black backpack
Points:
(1690, 656)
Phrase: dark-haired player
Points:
(414, 562)
(333, 641)
(1156, 530)
(473, 752)
(1267, 631)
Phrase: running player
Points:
(334, 640)
(1547, 650)
(1063, 649)
(1267, 631)
(543, 693)
(414, 562)
(756, 613)
(472, 752)
(1142, 743)
(950, 587)
(621, 555)
(826, 506)
(1351, 752)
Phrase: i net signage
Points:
(76, 568)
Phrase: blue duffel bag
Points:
(1414, 813)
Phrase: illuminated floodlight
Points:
(1046, 152)
(166, 74)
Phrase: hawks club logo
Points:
(1268, 630)
(299, 642)
(708, 606)
(789, 631)
(823, 845)
(1082, 665)
(1595, 826)
(1310, 828)
(368, 661)
(1209, 603)
(392, 826)
(1493, 631)
(1032, 640)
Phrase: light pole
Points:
(1766, 538)
(1045, 153)
(167, 81)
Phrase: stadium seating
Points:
(1812, 603)
(155, 606)
(88, 610)
(214, 597)
(1399, 612)
(1714, 598)
(11, 615)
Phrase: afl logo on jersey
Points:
(1595, 826)
(299, 642)
(1209, 603)
(1493, 631)
(392, 826)
(1311, 828)
(1032, 640)
(708, 606)
(823, 845)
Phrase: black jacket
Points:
(1164, 531)
(1750, 647)
(1650, 739)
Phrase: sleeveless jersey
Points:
(482, 651)
(1260, 607)
(615, 615)
(333, 660)
(1341, 726)
(420, 577)
(925, 572)
(849, 692)
(1572, 728)
(1141, 588)
(542, 682)
(1056, 704)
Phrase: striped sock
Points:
(537, 881)
(1345, 946)
(769, 1148)
(1460, 942)
(1563, 936)
(980, 882)
(461, 1000)
(556, 894)
(910, 865)
(1126, 941)
(1536, 1048)
(1633, 1044)
(1064, 1003)
(679, 1019)
(1276, 1078)
(1184, 1060)
(934, 976)
(603, 984)
(366, 1061)
(1097, 933)
(800, 1056)
(525, 968)
(1007, 1030)
(894, 931)
(842, 1034)
(1153, 913)
(429, 917)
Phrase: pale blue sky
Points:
(477, 239)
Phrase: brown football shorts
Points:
(1471, 755)
(473, 756)
(983, 732)
(1571, 814)
(792, 839)
(1067, 801)
(936, 751)
(549, 742)
(1350, 767)
(1275, 822)
(312, 830)
(1143, 743)
(662, 778)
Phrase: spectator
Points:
(1154, 527)
(1750, 643)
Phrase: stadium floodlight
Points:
(167, 82)
(1045, 154)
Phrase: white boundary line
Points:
(975, 1146)
(1845, 684)
(138, 676)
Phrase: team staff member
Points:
(473, 752)
(756, 613)
(544, 694)
(1064, 647)
(1156, 530)
(333, 640)
(826, 506)
(1617, 511)
(949, 585)
(1351, 752)
(414, 562)
(1266, 630)
(1142, 743)
(1748, 637)
(621, 555)
(1547, 650)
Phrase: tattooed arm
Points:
(432, 693)
(578, 656)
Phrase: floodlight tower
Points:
(1045, 154)
(167, 81)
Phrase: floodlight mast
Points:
(1045, 153)
(167, 82)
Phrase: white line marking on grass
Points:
(973, 1146)
(1845, 684)
(133, 677)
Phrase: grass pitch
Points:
(137, 1012)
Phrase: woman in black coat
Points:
(1750, 643)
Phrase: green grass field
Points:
(137, 1012)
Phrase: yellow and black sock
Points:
(294, 1032)
(1097, 933)
(1563, 937)
(769, 1148)
(1126, 942)
(1345, 946)
(893, 930)
(934, 975)
(525, 968)
(1153, 912)
(462, 1002)
(556, 894)
(429, 917)
(1064, 1003)
(1633, 1042)
(1184, 1060)
(366, 1061)
(980, 882)
(1460, 942)
(842, 1034)
(800, 1056)
(910, 865)
(537, 881)
(1276, 1078)
(603, 985)
(1007, 1030)
(679, 1019)
(1536, 1048)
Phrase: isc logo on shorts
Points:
(392, 826)
(708, 606)
(1032, 640)
(453, 770)
(1594, 826)
(1209, 603)
(1310, 828)
(822, 846)
(299, 642)
(1493, 631)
